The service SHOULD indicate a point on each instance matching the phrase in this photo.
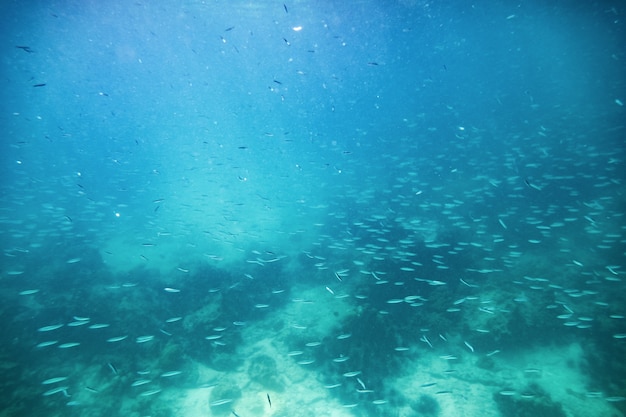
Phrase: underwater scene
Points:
(395, 208)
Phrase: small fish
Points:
(68, 345)
(425, 340)
(144, 339)
(49, 328)
(469, 285)
(531, 185)
(269, 400)
(140, 382)
(116, 339)
(615, 399)
(361, 383)
(25, 49)
(170, 374)
(220, 402)
(284, 7)
(56, 390)
(173, 319)
(112, 368)
(54, 380)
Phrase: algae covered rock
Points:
(263, 371)
(426, 406)
(223, 396)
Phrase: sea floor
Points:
(279, 359)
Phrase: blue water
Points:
(214, 187)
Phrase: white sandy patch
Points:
(469, 390)
(455, 397)
(303, 394)
(560, 371)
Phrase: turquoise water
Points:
(398, 208)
